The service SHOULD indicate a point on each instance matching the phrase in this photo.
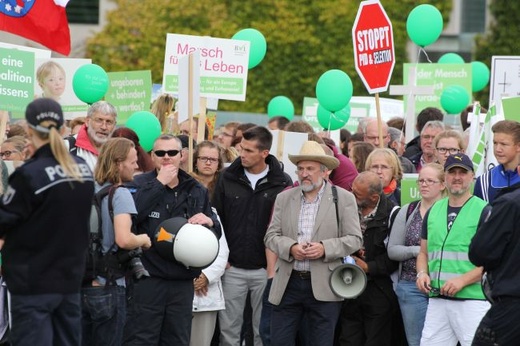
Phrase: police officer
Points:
(44, 217)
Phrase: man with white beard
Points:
(313, 227)
(101, 122)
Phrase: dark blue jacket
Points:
(496, 245)
(155, 203)
(44, 216)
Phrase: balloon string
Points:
(421, 49)
(330, 118)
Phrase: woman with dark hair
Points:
(144, 161)
(359, 153)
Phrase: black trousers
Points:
(46, 319)
(500, 324)
(369, 319)
(160, 313)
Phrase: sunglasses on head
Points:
(171, 153)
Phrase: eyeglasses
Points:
(427, 182)
(206, 159)
(100, 122)
(171, 153)
(376, 168)
(8, 153)
(452, 151)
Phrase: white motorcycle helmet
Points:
(195, 246)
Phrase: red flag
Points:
(43, 21)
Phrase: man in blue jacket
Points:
(162, 309)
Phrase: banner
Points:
(16, 80)
(129, 92)
(53, 79)
(223, 65)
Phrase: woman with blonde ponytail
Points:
(44, 217)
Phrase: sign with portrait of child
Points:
(53, 79)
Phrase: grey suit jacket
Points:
(283, 233)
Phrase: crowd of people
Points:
(279, 240)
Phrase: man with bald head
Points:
(368, 319)
(371, 134)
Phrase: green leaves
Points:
(304, 39)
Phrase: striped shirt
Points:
(308, 212)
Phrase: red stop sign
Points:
(373, 41)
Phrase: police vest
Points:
(448, 250)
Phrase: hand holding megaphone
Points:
(360, 263)
(349, 279)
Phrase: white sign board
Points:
(223, 65)
(505, 78)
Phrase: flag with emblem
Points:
(43, 21)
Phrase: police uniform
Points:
(44, 220)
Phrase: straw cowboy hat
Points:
(312, 151)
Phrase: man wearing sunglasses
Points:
(457, 303)
(162, 310)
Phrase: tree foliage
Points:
(501, 38)
(304, 40)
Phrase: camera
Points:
(133, 260)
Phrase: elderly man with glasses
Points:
(101, 122)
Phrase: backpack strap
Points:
(111, 193)
(411, 207)
(335, 200)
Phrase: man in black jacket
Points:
(496, 247)
(244, 198)
(161, 314)
(369, 319)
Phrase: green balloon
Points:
(334, 90)
(258, 45)
(280, 105)
(147, 127)
(90, 83)
(454, 99)
(424, 25)
(450, 58)
(480, 76)
(333, 120)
